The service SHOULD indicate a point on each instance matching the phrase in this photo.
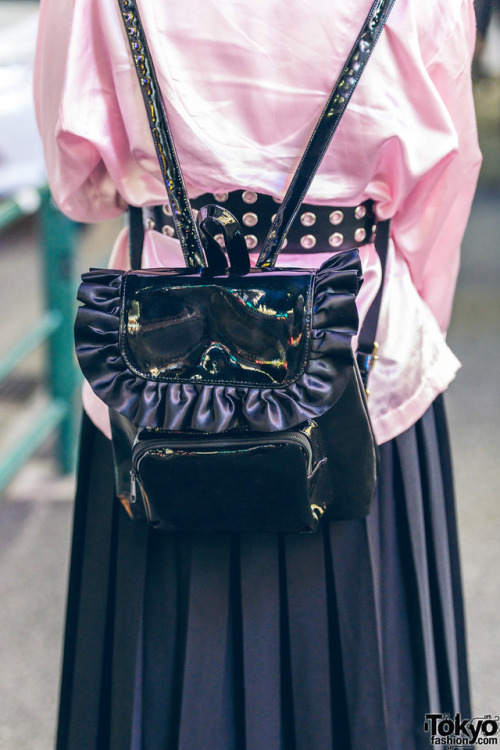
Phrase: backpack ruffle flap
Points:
(149, 401)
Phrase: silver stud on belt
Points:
(250, 219)
(336, 239)
(251, 241)
(249, 196)
(336, 217)
(308, 241)
(308, 219)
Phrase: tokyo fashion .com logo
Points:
(455, 732)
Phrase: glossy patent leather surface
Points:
(248, 330)
(185, 225)
(215, 405)
(244, 481)
(220, 220)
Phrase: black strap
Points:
(366, 353)
(185, 225)
(135, 236)
(325, 129)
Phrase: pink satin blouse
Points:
(244, 84)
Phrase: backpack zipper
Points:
(296, 438)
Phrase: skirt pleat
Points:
(166, 586)
(440, 573)
(206, 690)
(396, 603)
(260, 580)
(340, 640)
(126, 625)
(357, 632)
(307, 622)
(416, 562)
(88, 643)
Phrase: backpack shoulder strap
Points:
(319, 141)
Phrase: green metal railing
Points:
(58, 237)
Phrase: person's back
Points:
(287, 642)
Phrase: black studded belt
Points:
(341, 228)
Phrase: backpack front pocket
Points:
(231, 482)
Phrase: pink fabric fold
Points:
(244, 85)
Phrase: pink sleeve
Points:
(77, 110)
(429, 224)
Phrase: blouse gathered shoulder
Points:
(243, 87)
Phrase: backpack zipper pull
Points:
(133, 487)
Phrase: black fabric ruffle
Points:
(210, 408)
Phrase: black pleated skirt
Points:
(340, 640)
